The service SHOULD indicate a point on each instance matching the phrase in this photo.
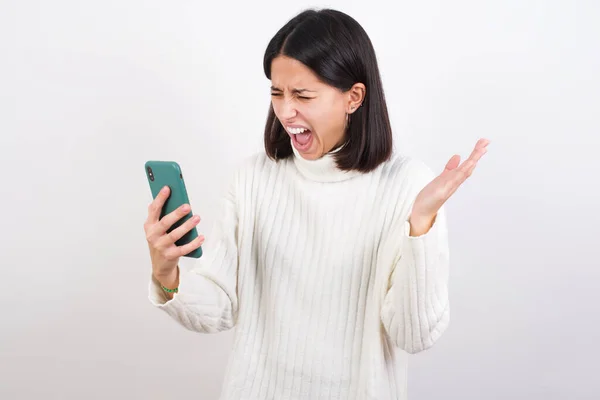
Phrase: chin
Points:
(312, 154)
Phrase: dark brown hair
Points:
(338, 50)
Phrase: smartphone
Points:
(168, 173)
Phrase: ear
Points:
(355, 97)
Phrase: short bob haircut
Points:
(338, 50)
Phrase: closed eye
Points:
(277, 94)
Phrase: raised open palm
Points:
(439, 190)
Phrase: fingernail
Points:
(185, 208)
(164, 189)
(196, 218)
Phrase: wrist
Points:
(169, 280)
(420, 225)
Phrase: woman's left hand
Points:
(438, 191)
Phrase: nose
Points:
(288, 110)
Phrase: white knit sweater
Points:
(317, 272)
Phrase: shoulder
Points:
(256, 167)
(254, 163)
(407, 172)
(253, 160)
(403, 177)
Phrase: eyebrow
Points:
(294, 90)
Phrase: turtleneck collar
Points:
(323, 169)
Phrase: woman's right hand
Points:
(164, 253)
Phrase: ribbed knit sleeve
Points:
(415, 310)
(207, 300)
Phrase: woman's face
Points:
(312, 112)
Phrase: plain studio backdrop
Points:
(89, 91)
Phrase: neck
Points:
(323, 169)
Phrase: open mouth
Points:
(301, 137)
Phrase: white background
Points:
(91, 90)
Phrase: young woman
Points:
(330, 255)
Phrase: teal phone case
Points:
(168, 173)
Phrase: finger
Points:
(156, 231)
(191, 246)
(475, 156)
(483, 142)
(457, 176)
(477, 152)
(452, 163)
(157, 204)
(178, 233)
(479, 146)
(469, 171)
(168, 220)
(466, 170)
